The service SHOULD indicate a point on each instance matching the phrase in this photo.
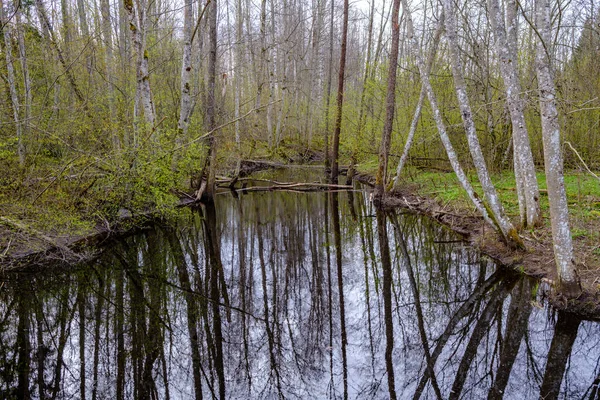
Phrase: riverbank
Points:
(24, 245)
(536, 261)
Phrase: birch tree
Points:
(418, 108)
(553, 160)
(437, 116)
(12, 84)
(506, 47)
(495, 208)
(138, 20)
(26, 79)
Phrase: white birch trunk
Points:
(417, 114)
(437, 116)
(109, 69)
(14, 95)
(553, 161)
(495, 206)
(137, 27)
(26, 81)
(527, 185)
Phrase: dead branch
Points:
(581, 159)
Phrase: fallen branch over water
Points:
(305, 187)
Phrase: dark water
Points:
(290, 295)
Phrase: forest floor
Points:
(438, 195)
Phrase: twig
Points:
(198, 21)
(233, 121)
(7, 247)
(54, 180)
(581, 159)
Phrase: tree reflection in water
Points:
(286, 295)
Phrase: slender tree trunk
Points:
(529, 193)
(437, 115)
(337, 239)
(51, 38)
(239, 60)
(186, 72)
(14, 96)
(390, 104)
(81, 300)
(417, 114)
(386, 264)
(565, 333)
(109, 70)
(553, 160)
(23, 345)
(137, 27)
(495, 209)
(191, 310)
(26, 83)
(210, 107)
(340, 98)
(328, 91)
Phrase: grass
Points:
(583, 192)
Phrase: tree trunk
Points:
(239, 60)
(109, 69)
(495, 208)
(506, 46)
(143, 96)
(210, 107)
(340, 98)
(390, 104)
(186, 72)
(417, 114)
(553, 161)
(437, 115)
(14, 96)
(328, 90)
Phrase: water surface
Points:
(290, 295)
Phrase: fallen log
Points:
(303, 186)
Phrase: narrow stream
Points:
(290, 295)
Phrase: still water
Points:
(290, 295)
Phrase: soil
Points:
(536, 261)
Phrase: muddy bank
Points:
(536, 261)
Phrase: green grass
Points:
(583, 192)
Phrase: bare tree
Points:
(12, 85)
(210, 108)
(506, 47)
(109, 68)
(553, 160)
(437, 115)
(138, 20)
(390, 103)
(340, 98)
(419, 107)
(495, 208)
(186, 70)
